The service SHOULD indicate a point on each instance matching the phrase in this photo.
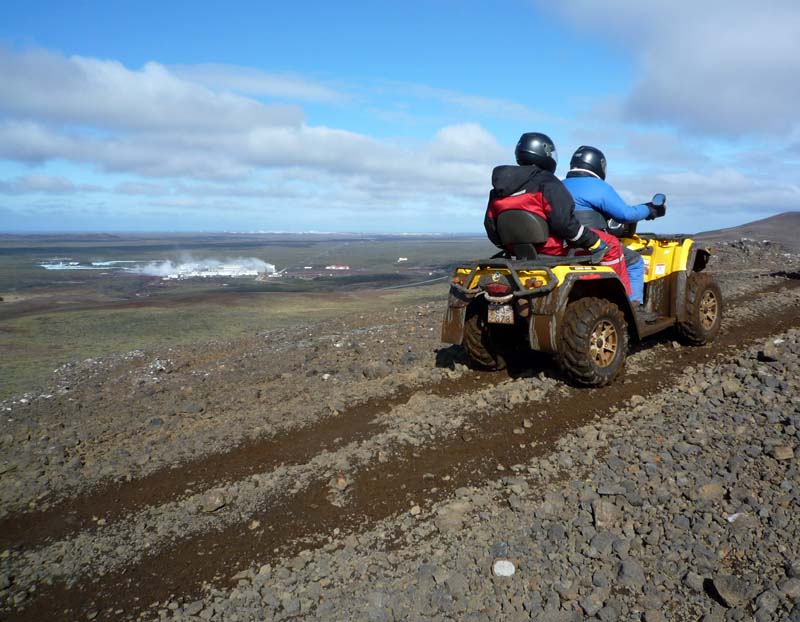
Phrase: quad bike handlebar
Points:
(657, 207)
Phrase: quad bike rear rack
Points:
(512, 265)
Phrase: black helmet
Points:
(589, 159)
(538, 149)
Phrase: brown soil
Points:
(116, 500)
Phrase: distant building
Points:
(402, 259)
(337, 267)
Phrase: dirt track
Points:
(375, 438)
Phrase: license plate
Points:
(500, 314)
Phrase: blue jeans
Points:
(635, 265)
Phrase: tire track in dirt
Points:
(111, 501)
(297, 446)
(305, 519)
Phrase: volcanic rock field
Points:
(359, 469)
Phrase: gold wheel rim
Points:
(708, 310)
(604, 343)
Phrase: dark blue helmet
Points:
(589, 159)
(536, 149)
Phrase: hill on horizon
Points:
(783, 228)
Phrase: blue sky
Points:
(385, 117)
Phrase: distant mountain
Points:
(783, 228)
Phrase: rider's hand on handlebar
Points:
(656, 211)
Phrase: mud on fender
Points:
(455, 316)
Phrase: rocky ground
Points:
(358, 469)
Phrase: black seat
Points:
(522, 230)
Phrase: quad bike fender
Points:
(455, 316)
(691, 258)
(696, 261)
(547, 313)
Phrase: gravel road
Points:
(360, 470)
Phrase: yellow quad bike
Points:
(519, 301)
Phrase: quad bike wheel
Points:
(594, 341)
(703, 309)
(488, 345)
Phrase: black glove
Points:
(598, 250)
(656, 211)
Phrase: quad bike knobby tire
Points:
(486, 344)
(594, 341)
(703, 309)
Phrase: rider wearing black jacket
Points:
(538, 191)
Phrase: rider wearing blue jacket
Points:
(596, 201)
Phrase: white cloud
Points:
(477, 104)
(256, 82)
(104, 94)
(697, 193)
(196, 147)
(141, 188)
(26, 141)
(629, 148)
(43, 184)
(721, 67)
(709, 117)
(467, 142)
(153, 123)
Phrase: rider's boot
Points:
(648, 317)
